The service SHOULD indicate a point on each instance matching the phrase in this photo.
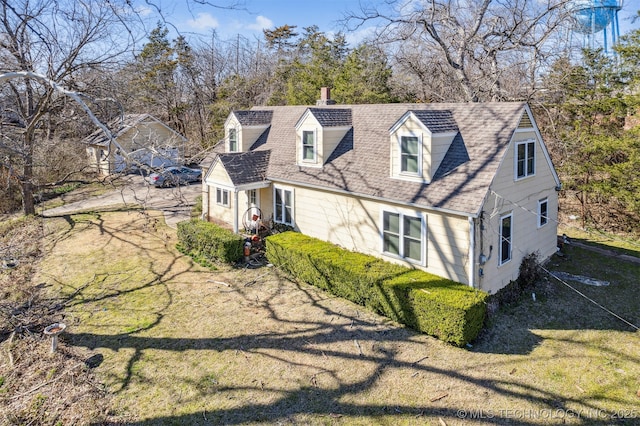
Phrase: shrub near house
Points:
(430, 304)
(209, 241)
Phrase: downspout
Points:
(235, 211)
(472, 252)
(206, 199)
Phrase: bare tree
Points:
(58, 40)
(489, 49)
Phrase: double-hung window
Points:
(525, 159)
(308, 145)
(252, 197)
(222, 197)
(402, 236)
(283, 206)
(543, 212)
(410, 154)
(506, 236)
(233, 140)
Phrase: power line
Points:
(590, 299)
(633, 243)
(514, 246)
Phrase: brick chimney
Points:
(325, 97)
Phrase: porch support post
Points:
(235, 211)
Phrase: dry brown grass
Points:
(36, 386)
(185, 345)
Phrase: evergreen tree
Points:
(596, 149)
(364, 77)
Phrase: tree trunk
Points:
(26, 181)
(28, 204)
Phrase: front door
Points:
(253, 213)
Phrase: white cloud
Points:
(354, 38)
(203, 21)
(144, 11)
(261, 23)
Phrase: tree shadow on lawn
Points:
(552, 305)
(318, 342)
(351, 340)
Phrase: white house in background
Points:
(147, 140)
(463, 191)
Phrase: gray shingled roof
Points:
(360, 163)
(246, 167)
(253, 118)
(332, 117)
(437, 121)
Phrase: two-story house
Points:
(463, 191)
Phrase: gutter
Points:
(374, 198)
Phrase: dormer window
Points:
(318, 132)
(233, 140)
(419, 141)
(410, 154)
(309, 145)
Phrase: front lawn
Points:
(182, 344)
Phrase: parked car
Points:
(173, 176)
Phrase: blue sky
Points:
(255, 15)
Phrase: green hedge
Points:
(430, 304)
(209, 240)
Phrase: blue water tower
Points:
(597, 21)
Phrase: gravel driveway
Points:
(176, 203)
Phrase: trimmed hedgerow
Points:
(430, 304)
(208, 240)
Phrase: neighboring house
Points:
(463, 191)
(146, 139)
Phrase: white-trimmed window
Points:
(233, 139)
(525, 159)
(402, 236)
(222, 197)
(309, 145)
(543, 212)
(252, 197)
(283, 205)
(410, 161)
(506, 236)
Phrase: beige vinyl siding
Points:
(217, 212)
(148, 134)
(309, 124)
(440, 144)
(331, 137)
(410, 127)
(355, 224)
(448, 246)
(520, 197)
(433, 150)
(95, 156)
(232, 123)
(218, 176)
(266, 203)
(248, 135)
